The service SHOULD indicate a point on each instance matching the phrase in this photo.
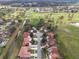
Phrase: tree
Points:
(44, 53)
(40, 23)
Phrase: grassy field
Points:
(35, 17)
(68, 36)
(68, 42)
(55, 15)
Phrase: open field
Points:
(68, 42)
(67, 17)
(56, 15)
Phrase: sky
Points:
(46, 0)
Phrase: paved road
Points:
(39, 35)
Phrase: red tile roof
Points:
(24, 52)
(26, 41)
(52, 45)
(25, 35)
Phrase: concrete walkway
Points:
(39, 37)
